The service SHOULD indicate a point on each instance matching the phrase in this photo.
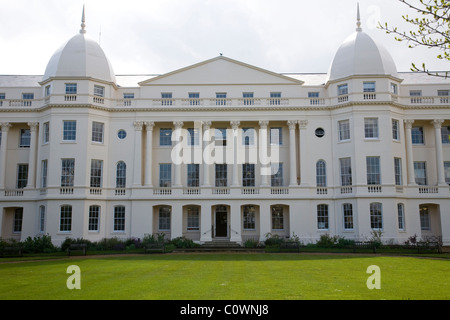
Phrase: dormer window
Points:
(369, 86)
(343, 89)
(71, 88)
(99, 91)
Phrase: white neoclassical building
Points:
(225, 150)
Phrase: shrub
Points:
(273, 239)
(251, 243)
(38, 244)
(182, 242)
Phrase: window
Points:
(249, 215)
(194, 98)
(128, 95)
(97, 132)
(96, 173)
(395, 130)
(164, 218)
(277, 218)
(420, 172)
(221, 175)
(313, 94)
(371, 128)
(65, 221)
(193, 218)
(165, 137)
(193, 138)
(248, 98)
(320, 132)
(415, 93)
(44, 172)
(221, 99)
(424, 218)
(121, 175)
(27, 96)
(344, 130)
(275, 98)
(18, 218)
(166, 99)
(447, 171)
(69, 130)
(342, 89)
(22, 176)
(46, 133)
(276, 136)
(346, 171)
(394, 88)
(119, 218)
(276, 174)
(2, 96)
(248, 175)
(99, 91)
(248, 136)
(376, 216)
(25, 138)
(71, 88)
(220, 137)
(121, 134)
(373, 171)
(322, 217)
(444, 94)
(165, 175)
(321, 173)
(348, 216)
(41, 219)
(401, 216)
(445, 134)
(94, 218)
(193, 175)
(398, 171)
(417, 135)
(67, 172)
(369, 87)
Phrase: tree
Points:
(431, 29)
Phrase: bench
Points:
(427, 245)
(364, 245)
(11, 251)
(77, 247)
(155, 247)
(290, 245)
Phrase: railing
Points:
(322, 190)
(425, 190)
(14, 193)
(246, 190)
(374, 188)
(95, 191)
(66, 190)
(192, 191)
(162, 191)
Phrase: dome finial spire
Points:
(83, 22)
(358, 20)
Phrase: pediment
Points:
(220, 71)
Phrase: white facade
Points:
(88, 154)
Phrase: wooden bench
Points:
(77, 247)
(290, 245)
(427, 245)
(155, 247)
(364, 245)
(11, 251)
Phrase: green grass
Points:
(227, 277)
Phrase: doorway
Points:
(221, 222)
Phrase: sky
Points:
(160, 36)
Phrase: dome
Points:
(82, 57)
(361, 55)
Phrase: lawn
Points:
(228, 277)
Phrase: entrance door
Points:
(221, 222)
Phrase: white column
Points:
(303, 125)
(409, 153)
(176, 220)
(31, 184)
(137, 174)
(263, 154)
(292, 154)
(439, 156)
(177, 161)
(235, 223)
(205, 223)
(148, 154)
(206, 156)
(4, 141)
(264, 221)
(235, 176)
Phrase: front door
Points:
(221, 222)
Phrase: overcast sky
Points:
(159, 36)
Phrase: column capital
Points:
(292, 124)
(437, 123)
(178, 124)
(149, 125)
(206, 125)
(303, 124)
(263, 124)
(5, 126)
(138, 125)
(408, 123)
(235, 124)
(33, 126)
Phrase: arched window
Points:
(121, 175)
(321, 173)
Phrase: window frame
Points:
(371, 130)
